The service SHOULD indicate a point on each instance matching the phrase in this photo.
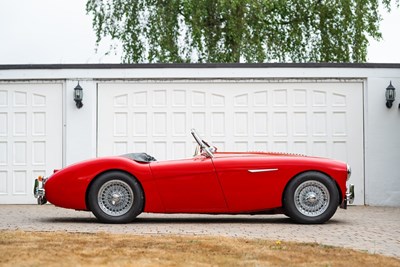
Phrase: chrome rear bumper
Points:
(38, 190)
(349, 198)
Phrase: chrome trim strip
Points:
(262, 170)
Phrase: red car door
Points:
(249, 183)
(189, 185)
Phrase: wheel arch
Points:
(300, 173)
(112, 170)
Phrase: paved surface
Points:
(372, 229)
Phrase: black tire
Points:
(311, 198)
(115, 197)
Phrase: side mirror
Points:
(213, 149)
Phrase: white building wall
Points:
(80, 125)
(381, 125)
(382, 144)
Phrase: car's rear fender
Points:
(68, 187)
(143, 175)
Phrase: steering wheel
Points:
(202, 145)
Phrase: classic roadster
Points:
(117, 189)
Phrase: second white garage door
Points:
(315, 118)
(30, 137)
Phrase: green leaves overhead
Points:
(238, 30)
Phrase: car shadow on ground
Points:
(211, 220)
(187, 220)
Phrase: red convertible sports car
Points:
(118, 189)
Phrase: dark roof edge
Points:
(197, 65)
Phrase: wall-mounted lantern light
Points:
(78, 96)
(390, 95)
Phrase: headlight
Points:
(348, 172)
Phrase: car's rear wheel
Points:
(115, 197)
(311, 197)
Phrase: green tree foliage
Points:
(238, 30)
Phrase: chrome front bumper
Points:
(38, 190)
(349, 197)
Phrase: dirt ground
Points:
(21, 248)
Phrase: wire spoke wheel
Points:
(311, 198)
(115, 198)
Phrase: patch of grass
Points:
(18, 248)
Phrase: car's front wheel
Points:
(115, 197)
(311, 197)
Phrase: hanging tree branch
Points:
(239, 30)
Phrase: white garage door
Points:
(313, 118)
(30, 137)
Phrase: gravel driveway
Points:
(372, 229)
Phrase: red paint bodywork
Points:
(222, 184)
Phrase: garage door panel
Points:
(30, 137)
(314, 118)
(3, 182)
(19, 182)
